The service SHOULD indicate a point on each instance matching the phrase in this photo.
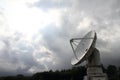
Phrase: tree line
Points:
(76, 73)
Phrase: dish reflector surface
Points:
(83, 49)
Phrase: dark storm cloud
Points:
(101, 14)
(18, 55)
(59, 45)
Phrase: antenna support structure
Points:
(85, 50)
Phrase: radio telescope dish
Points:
(84, 48)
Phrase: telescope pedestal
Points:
(94, 70)
(95, 73)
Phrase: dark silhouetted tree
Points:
(119, 73)
(112, 72)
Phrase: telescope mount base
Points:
(94, 69)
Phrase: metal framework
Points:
(72, 43)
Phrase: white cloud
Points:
(28, 20)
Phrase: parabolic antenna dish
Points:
(84, 48)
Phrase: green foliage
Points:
(18, 77)
(112, 72)
(76, 73)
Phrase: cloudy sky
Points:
(35, 34)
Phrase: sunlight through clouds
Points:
(24, 24)
(29, 20)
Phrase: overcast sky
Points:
(35, 34)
